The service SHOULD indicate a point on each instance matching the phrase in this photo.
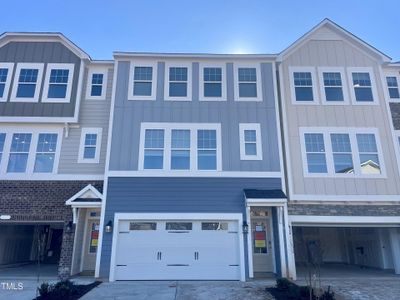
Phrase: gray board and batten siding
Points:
(92, 114)
(128, 115)
(175, 195)
(39, 52)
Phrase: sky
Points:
(201, 26)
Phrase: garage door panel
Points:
(205, 252)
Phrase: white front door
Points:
(262, 241)
(177, 250)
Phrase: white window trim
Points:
(67, 98)
(257, 66)
(96, 70)
(10, 68)
(168, 127)
(257, 128)
(20, 66)
(9, 131)
(134, 64)
(169, 65)
(373, 85)
(345, 89)
(326, 131)
(96, 159)
(223, 81)
(315, 83)
(386, 88)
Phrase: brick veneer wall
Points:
(44, 201)
(343, 210)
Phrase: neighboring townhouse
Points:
(54, 114)
(340, 151)
(194, 171)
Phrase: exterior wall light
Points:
(69, 226)
(245, 227)
(109, 226)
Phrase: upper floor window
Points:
(315, 152)
(89, 151)
(333, 85)
(346, 152)
(393, 87)
(154, 149)
(142, 82)
(2, 141)
(303, 85)
(178, 82)
(58, 83)
(363, 85)
(29, 151)
(45, 153)
(19, 152)
(248, 83)
(250, 141)
(96, 83)
(27, 81)
(180, 147)
(5, 79)
(212, 82)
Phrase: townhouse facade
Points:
(53, 135)
(161, 166)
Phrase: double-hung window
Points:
(178, 82)
(315, 153)
(154, 149)
(5, 79)
(96, 83)
(180, 146)
(341, 152)
(248, 83)
(212, 83)
(368, 154)
(393, 87)
(180, 149)
(363, 85)
(27, 82)
(303, 85)
(89, 151)
(58, 83)
(333, 85)
(142, 81)
(206, 149)
(45, 153)
(250, 141)
(19, 152)
(2, 142)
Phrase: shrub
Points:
(63, 290)
(44, 289)
(283, 284)
(327, 295)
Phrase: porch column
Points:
(282, 242)
(289, 245)
(395, 245)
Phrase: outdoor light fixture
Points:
(69, 226)
(245, 227)
(109, 226)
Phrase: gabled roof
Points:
(340, 30)
(85, 197)
(7, 37)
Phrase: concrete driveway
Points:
(181, 290)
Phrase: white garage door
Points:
(177, 250)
